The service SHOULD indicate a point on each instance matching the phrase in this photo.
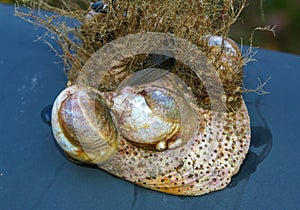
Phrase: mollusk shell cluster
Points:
(153, 135)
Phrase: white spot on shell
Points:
(223, 98)
(220, 41)
(160, 146)
(175, 144)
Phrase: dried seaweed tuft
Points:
(188, 19)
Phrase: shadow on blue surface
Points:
(260, 147)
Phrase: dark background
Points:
(284, 14)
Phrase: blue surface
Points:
(35, 175)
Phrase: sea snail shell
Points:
(82, 124)
(151, 117)
(138, 134)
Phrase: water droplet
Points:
(46, 114)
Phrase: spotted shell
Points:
(204, 164)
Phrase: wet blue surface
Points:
(35, 175)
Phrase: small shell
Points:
(230, 48)
(82, 126)
(224, 51)
(149, 118)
